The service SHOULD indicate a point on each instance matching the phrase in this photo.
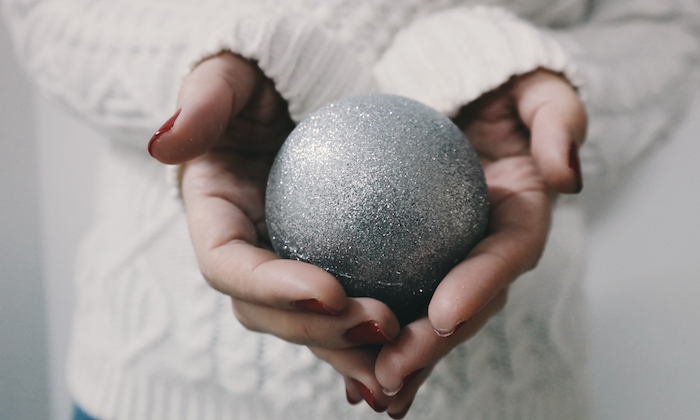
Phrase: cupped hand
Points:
(527, 133)
(230, 124)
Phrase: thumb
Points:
(214, 92)
(556, 118)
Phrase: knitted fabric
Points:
(153, 341)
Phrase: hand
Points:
(230, 125)
(527, 133)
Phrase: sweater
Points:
(151, 340)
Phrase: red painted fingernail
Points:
(314, 305)
(368, 395)
(162, 130)
(367, 333)
(407, 379)
(401, 414)
(351, 400)
(575, 165)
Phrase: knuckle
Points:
(306, 334)
(209, 269)
(392, 363)
(298, 333)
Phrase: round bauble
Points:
(381, 191)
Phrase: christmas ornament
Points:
(381, 191)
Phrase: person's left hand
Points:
(527, 133)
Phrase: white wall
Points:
(24, 386)
(644, 286)
(46, 186)
(67, 161)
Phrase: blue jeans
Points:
(79, 414)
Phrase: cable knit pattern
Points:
(153, 341)
(135, 54)
(296, 56)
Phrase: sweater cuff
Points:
(307, 64)
(450, 58)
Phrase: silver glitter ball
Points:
(381, 191)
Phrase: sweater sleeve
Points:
(633, 62)
(119, 63)
(451, 57)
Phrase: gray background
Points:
(642, 281)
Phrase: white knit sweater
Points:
(153, 341)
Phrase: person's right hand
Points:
(230, 124)
(527, 133)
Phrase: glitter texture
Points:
(381, 191)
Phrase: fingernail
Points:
(314, 305)
(390, 393)
(368, 395)
(367, 333)
(575, 165)
(401, 414)
(162, 130)
(406, 380)
(445, 334)
(351, 400)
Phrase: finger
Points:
(518, 228)
(364, 321)
(400, 413)
(260, 277)
(351, 392)
(357, 366)
(225, 242)
(557, 120)
(217, 89)
(404, 399)
(401, 366)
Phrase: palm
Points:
(495, 128)
(519, 194)
(261, 126)
(234, 172)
